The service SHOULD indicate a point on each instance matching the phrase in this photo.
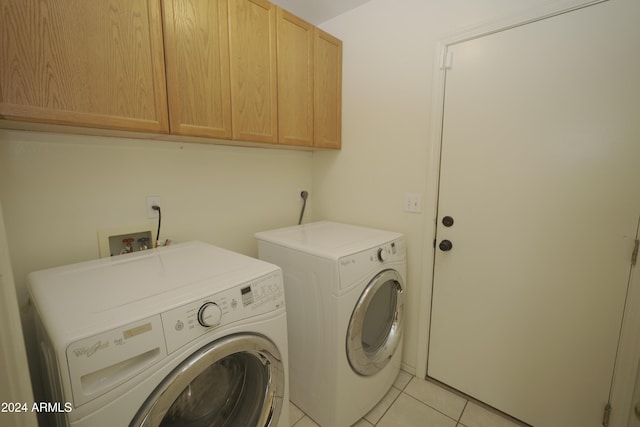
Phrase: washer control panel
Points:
(189, 321)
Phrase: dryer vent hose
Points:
(304, 195)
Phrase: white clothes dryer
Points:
(344, 288)
(185, 335)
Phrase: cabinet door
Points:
(295, 80)
(328, 91)
(252, 36)
(197, 51)
(74, 62)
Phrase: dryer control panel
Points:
(189, 321)
(357, 266)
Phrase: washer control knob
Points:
(383, 254)
(209, 315)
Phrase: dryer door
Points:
(235, 381)
(376, 325)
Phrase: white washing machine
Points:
(344, 288)
(185, 335)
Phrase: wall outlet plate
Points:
(413, 202)
(112, 242)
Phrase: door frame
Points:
(629, 346)
(13, 355)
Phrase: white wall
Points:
(58, 190)
(388, 53)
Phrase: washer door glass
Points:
(236, 381)
(375, 329)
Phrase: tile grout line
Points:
(389, 407)
(466, 402)
(429, 406)
(401, 389)
(459, 421)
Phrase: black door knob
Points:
(445, 245)
(447, 221)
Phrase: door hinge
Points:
(634, 255)
(607, 415)
(447, 60)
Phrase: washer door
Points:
(235, 381)
(376, 325)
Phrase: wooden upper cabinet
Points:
(252, 38)
(295, 80)
(197, 52)
(244, 70)
(328, 91)
(83, 63)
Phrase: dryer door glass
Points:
(375, 329)
(237, 381)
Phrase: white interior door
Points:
(540, 172)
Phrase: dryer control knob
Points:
(383, 255)
(209, 315)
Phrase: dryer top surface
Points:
(328, 239)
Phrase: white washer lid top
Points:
(328, 239)
(81, 299)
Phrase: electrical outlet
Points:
(151, 201)
(413, 203)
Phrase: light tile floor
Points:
(413, 402)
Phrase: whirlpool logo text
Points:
(90, 351)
